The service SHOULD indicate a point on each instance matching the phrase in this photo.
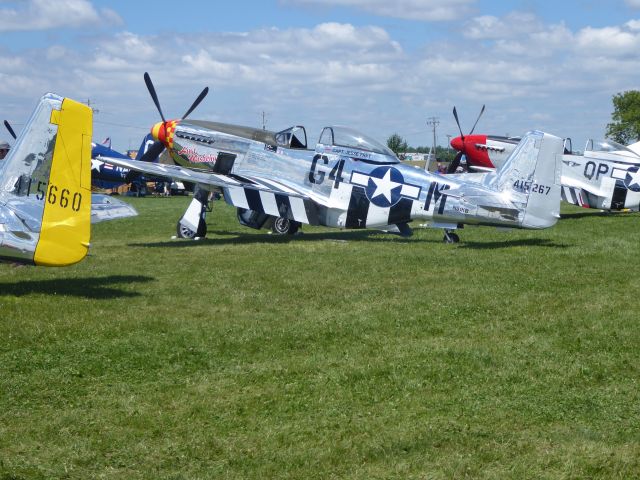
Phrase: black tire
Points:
(185, 232)
(284, 226)
(450, 237)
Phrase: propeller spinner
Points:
(163, 131)
(458, 143)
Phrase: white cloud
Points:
(614, 41)
(633, 3)
(512, 25)
(328, 54)
(422, 10)
(633, 24)
(46, 14)
(342, 73)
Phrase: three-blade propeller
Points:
(453, 166)
(157, 147)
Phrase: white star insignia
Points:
(384, 186)
(635, 179)
(95, 164)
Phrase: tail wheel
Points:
(284, 226)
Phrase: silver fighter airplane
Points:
(45, 186)
(605, 176)
(347, 181)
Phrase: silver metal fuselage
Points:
(355, 188)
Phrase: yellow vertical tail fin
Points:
(45, 186)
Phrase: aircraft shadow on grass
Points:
(524, 242)
(239, 238)
(587, 214)
(95, 288)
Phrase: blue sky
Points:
(381, 69)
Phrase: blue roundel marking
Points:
(632, 180)
(384, 186)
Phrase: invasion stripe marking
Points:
(253, 199)
(401, 212)
(574, 197)
(619, 196)
(377, 216)
(298, 209)
(269, 204)
(237, 198)
(358, 209)
(284, 206)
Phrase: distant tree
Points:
(443, 154)
(625, 127)
(397, 144)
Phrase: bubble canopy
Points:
(608, 146)
(345, 137)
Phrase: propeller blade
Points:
(154, 95)
(197, 101)
(8, 125)
(455, 115)
(453, 166)
(474, 125)
(152, 152)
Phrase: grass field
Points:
(329, 355)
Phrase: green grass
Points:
(329, 355)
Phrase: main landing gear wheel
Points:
(284, 226)
(450, 237)
(185, 232)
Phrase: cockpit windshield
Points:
(608, 146)
(350, 138)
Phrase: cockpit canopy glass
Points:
(294, 137)
(350, 138)
(607, 146)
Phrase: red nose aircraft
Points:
(483, 153)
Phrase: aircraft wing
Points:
(263, 195)
(106, 207)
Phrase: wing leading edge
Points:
(252, 193)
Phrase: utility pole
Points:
(449, 142)
(432, 122)
(264, 120)
(95, 110)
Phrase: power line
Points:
(113, 124)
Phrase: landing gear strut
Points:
(193, 223)
(450, 237)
